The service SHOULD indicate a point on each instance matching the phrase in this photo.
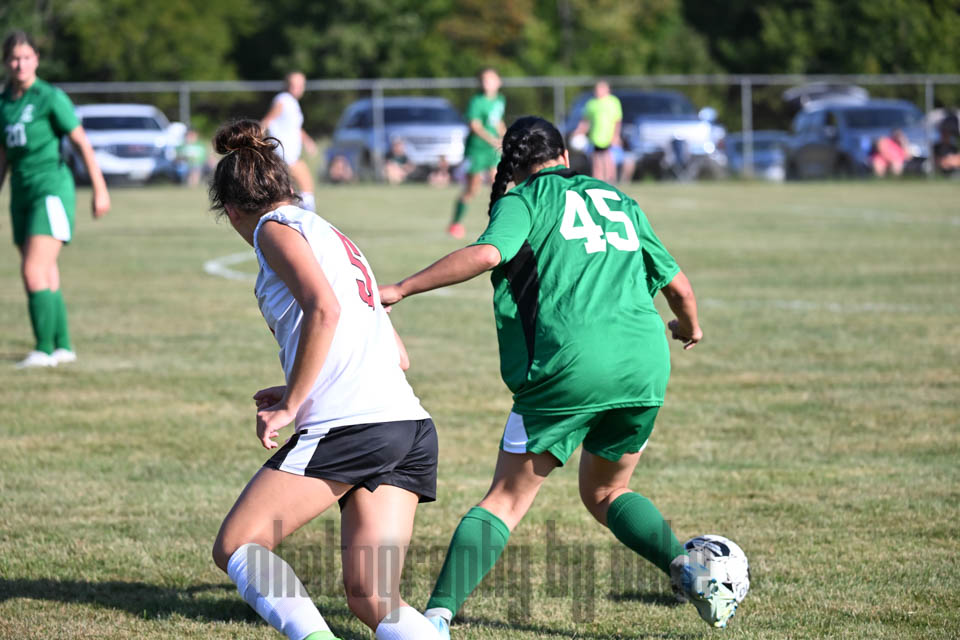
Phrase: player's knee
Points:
(35, 276)
(597, 499)
(227, 543)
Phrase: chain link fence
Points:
(743, 103)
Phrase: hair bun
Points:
(242, 134)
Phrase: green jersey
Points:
(573, 296)
(32, 127)
(489, 111)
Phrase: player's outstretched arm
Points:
(683, 303)
(101, 197)
(459, 266)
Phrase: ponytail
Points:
(530, 141)
(500, 182)
(251, 175)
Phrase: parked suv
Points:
(836, 137)
(663, 130)
(429, 127)
(132, 142)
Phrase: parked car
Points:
(836, 137)
(132, 142)
(769, 154)
(430, 128)
(796, 97)
(663, 130)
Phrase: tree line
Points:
(130, 40)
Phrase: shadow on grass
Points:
(210, 602)
(649, 597)
(207, 602)
(545, 631)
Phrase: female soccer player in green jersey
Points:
(485, 117)
(575, 268)
(34, 116)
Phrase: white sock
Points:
(406, 623)
(269, 585)
(439, 612)
(309, 203)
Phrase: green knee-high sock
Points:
(459, 210)
(637, 523)
(476, 545)
(43, 318)
(61, 337)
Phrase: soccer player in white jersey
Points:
(284, 121)
(361, 437)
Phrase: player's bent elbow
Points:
(679, 287)
(488, 255)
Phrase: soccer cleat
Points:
(456, 230)
(715, 603)
(443, 627)
(37, 359)
(62, 356)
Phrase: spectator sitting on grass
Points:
(191, 159)
(439, 176)
(340, 171)
(397, 167)
(946, 152)
(891, 153)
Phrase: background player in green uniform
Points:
(34, 116)
(485, 115)
(575, 268)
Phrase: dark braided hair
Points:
(529, 141)
(250, 176)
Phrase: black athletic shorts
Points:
(401, 454)
(598, 148)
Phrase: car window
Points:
(645, 104)
(421, 115)
(362, 119)
(760, 145)
(113, 123)
(832, 119)
(880, 118)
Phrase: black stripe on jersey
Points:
(524, 279)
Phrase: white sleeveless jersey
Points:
(287, 127)
(361, 380)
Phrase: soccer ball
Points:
(725, 561)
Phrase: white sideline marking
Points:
(221, 266)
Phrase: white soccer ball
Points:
(725, 561)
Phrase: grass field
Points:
(818, 424)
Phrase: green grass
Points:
(818, 424)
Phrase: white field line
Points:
(221, 266)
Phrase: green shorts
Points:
(482, 157)
(608, 434)
(46, 212)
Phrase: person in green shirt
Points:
(602, 118)
(575, 267)
(34, 116)
(485, 117)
